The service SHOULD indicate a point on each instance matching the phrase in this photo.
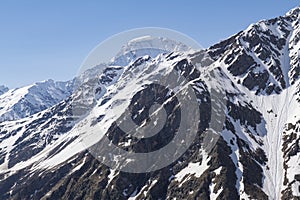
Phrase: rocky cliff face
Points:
(44, 156)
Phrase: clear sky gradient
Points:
(50, 39)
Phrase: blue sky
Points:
(50, 39)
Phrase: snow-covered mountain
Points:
(146, 45)
(26, 101)
(136, 48)
(257, 155)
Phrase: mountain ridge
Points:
(23, 102)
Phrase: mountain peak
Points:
(3, 89)
(269, 49)
(147, 45)
(294, 12)
(148, 41)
